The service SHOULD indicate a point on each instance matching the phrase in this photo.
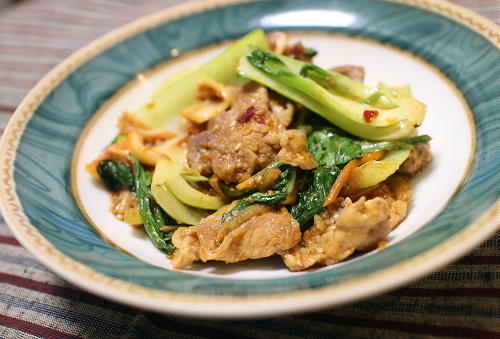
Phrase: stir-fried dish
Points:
(273, 156)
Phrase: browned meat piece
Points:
(240, 141)
(277, 41)
(192, 127)
(261, 236)
(420, 156)
(199, 155)
(295, 151)
(296, 51)
(188, 247)
(356, 73)
(340, 230)
(395, 191)
(283, 113)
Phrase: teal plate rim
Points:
(37, 203)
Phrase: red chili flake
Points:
(370, 115)
(247, 115)
(260, 119)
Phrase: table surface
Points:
(461, 300)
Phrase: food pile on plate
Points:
(273, 155)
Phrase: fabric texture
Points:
(461, 300)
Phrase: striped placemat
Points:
(461, 300)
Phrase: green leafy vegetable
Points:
(151, 214)
(313, 194)
(329, 148)
(394, 145)
(116, 175)
(421, 139)
(332, 150)
(310, 52)
(281, 189)
(167, 237)
(343, 85)
(255, 198)
(162, 219)
(286, 179)
(334, 96)
(233, 193)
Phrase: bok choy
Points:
(334, 96)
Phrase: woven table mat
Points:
(461, 300)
